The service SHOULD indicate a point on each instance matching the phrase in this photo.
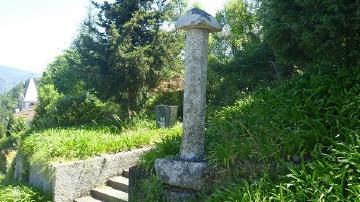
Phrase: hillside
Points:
(290, 142)
(9, 77)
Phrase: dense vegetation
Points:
(281, 139)
(296, 141)
(11, 192)
(283, 119)
(121, 53)
(8, 102)
(299, 137)
(64, 144)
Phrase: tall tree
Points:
(9, 101)
(129, 47)
(240, 58)
(314, 31)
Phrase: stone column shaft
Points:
(186, 174)
(196, 62)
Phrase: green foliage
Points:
(240, 60)
(329, 177)
(60, 144)
(16, 125)
(313, 31)
(306, 112)
(8, 102)
(2, 131)
(125, 50)
(152, 189)
(167, 147)
(296, 141)
(165, 98)
(63, 74)
(18, 192)
(57, 109)
(314, 118)
(242, 20)
(9, 142)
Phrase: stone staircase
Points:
(115, 190)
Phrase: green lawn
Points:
(61, 144)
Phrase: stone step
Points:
(125, 173)
(87, 199)
(109, 194)
(120, 183)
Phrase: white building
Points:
(31, 95)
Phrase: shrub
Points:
(10, 192)
(16, 125)
(64, 110)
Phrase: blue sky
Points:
(34, 32)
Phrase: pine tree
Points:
(128, 48)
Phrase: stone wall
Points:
(67, 181)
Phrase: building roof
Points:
(31, 94)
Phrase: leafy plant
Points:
(10, 192)
(167, 147)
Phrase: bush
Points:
(65, 110)
(10, 192)
(16, 125)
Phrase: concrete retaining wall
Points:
(67, 181)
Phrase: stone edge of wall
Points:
(71, 180)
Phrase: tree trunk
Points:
(132, 102)
(276, 70)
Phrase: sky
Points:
(34, 32)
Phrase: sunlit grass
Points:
(61, 144)
(10, 192)
(298, 141)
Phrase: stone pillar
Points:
(196, 59)
(185, 175)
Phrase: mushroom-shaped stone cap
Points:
(198, 19)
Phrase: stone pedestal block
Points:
(184, 174)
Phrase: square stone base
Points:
(181, 173)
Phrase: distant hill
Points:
(9, 77)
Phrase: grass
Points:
(10, 192)
(64, 144)
(296, 141)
